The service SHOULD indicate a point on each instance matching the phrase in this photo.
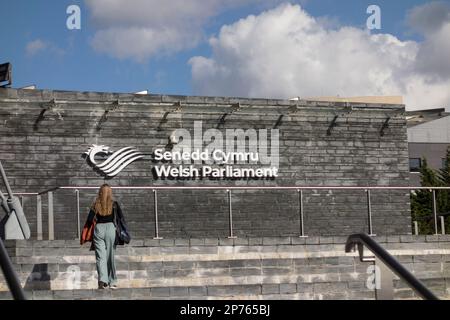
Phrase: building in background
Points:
(429, 138)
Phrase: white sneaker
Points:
(113, 286)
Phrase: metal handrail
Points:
(24, 193)
(363, 239)
(10, 275)
(228, 189)
(247, 188)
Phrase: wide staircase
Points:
(242, 268)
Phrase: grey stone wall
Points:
(41, 150)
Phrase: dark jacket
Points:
(119, 222)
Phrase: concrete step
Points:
(190, 273)
(157, 275)
(283, 291)
(241, 269)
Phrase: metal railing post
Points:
(300, 208)
(416, 228)
(442, 224)
(369, 213)
(155, 207)
(51, 230)
(230, 216)
(39, 216)
(77, 193)
(435, 213)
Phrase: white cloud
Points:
(35, 46)
(285, 52)
(142, 43)
(141, 29)
(38, 46)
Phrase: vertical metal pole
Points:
(442, 224)
(77, 192)
(22, 201)
(416, 228)
(155, 207)
(51, 230)
(230, 216)
(435, 213)
(369, 213)
(39, 216)
(300, 208)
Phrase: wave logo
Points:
(115, 161)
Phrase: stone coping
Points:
(239, 241)
(31, 95)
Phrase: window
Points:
(415, 164)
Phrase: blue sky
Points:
(68, 60)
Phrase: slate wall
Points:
(43, 135)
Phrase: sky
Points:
(244, 48)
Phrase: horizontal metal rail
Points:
(362, 239)
(246, 188)
(23, 193)
(298, 189)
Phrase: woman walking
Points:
(108, 224)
